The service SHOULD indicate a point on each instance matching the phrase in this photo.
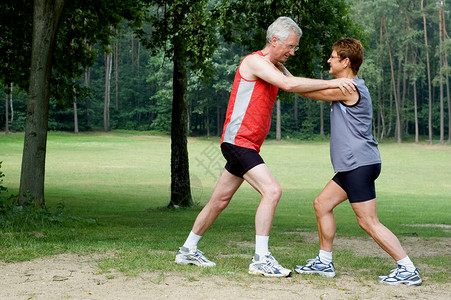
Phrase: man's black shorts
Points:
(239, 159)
(359, 183)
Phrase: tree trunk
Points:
(441, 71)
(398, 128)
(296, 112)
(133, 54)
(321, 118)
(138, 58)
(46, 17)
(87, 83)
(428, 71)
(11, 103)
(106, 105)
(207, 121)
(380, 116)
(218, 120)
(6, 114)
(75, 116)
(449, 102)
(278, 121)
(415, 108)
(180, 181)
(445, 35)
(116, 69)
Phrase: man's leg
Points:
(263, 263)
(222, 194)
(226, 187)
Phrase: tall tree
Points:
(46, 17)
(278, 121)
(441, 72)
(6, 113)
(76, 129)
(46, 59)
(106, 104)
(428, 65)
(186, 30)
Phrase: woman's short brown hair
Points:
(352, 49)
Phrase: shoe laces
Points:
(396, 271)
(314, 261)
(272, 261)
(198, 252)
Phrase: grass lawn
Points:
(122, 180)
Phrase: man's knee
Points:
(275, 192)
(220, 203)
(272, 194)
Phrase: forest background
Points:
(405, 67)
(168, 66)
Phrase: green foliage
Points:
(83, 24)
(322, 22)
(183, 30)
(238, 27)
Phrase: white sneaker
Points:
(193, 256)
(316, 266)
(267, 265)
(400, 275)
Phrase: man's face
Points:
(286, 48)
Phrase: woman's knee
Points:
(368, 224)
(321, 206)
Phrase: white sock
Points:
(192, 240)
(325, 257)
(406, 262)
(261, 245)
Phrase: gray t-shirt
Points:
(352, 144)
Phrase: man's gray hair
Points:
(281, 29)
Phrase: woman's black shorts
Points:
(239, 159)
(359, 183)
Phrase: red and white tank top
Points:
(248, 117)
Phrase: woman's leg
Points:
(367, 218)
(324, 203)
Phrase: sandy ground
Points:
(70, 276)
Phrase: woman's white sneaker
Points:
(400, 275)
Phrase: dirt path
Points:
(75, 277)
(70, 276)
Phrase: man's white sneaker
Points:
(316, 266)
(267, 265)
(193, 256)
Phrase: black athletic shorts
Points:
(359, 183)
(239, 159)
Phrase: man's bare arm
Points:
(255, 66)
